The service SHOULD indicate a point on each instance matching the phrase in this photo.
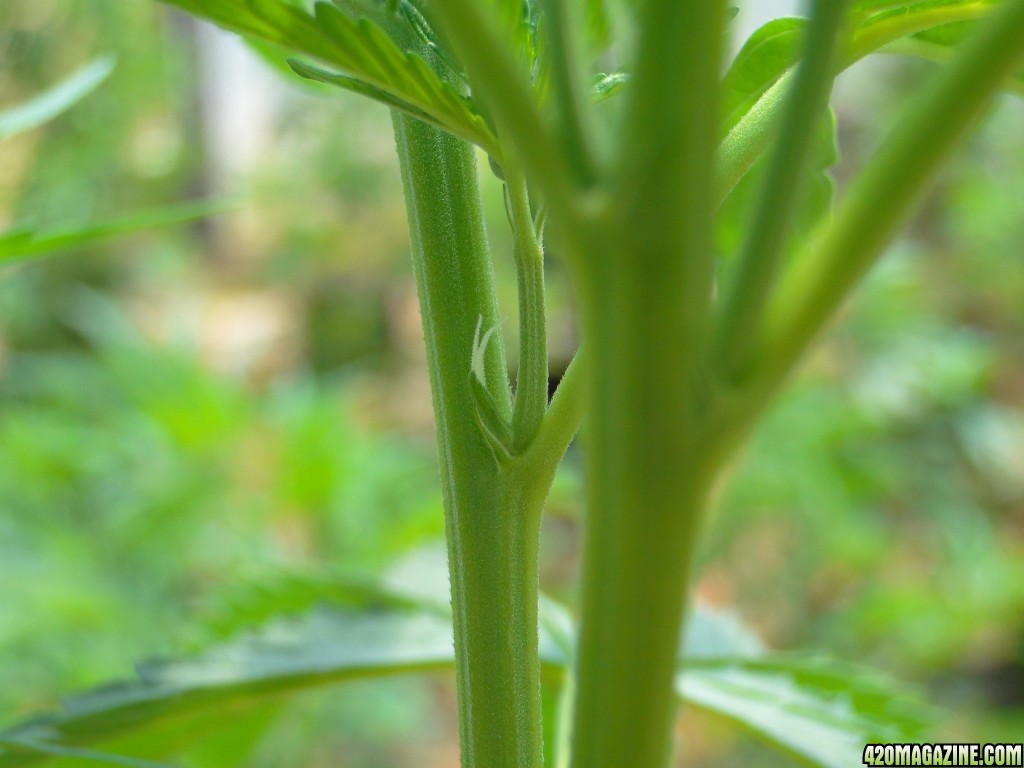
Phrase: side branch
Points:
(886, 192)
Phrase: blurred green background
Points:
(191, 412)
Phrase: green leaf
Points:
(52, 102)
(292, 593)
(754, 86)
(766, 55)
(28, 243)
(821, 712)
(88, 755)
(939, 43)
(818, 711)
(874, 24)
(325, 647)
(372, 62)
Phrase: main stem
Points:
(646, 294)
(492, 515)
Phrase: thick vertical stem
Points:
(646, 294)
(646, 487)
(492, 523)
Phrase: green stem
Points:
(571, 98)
(492, 517)
(748, 139)
(560, 423)
(532, 380)
(645, 296)
(665, 185)
(886, 192)
(781, 189)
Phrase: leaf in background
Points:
(369, 60)
(61, 97)
(815, 710)
(292, 593)
(324, 647)
(28, 243)
(874, 24)
(821, 712)
(712, 635)
(764, 58)
(939, 43)
(88, 755)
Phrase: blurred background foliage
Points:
(189, 414)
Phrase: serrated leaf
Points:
(815, 710)
(821, 712)
(53, 101)
(27, 243)
(325, 647)
(368, 59)
(291, 593)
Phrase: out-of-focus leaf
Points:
(712, 635)
(938, 44)
(87, 755)
(873, 25)
(814, 710)
(821, 712)
(27, 243)
(293, 593)
(868, 7)
(386, 69)
(322, 648)
(53, 101)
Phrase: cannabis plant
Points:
(622, 148)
